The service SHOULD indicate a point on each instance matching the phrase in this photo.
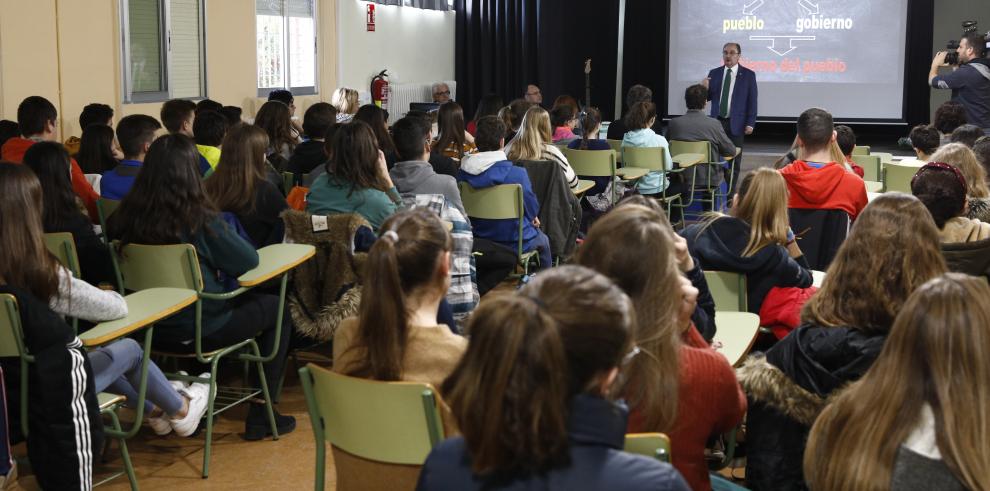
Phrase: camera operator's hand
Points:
(939, 59)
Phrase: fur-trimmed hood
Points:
(766, 383)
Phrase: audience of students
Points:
(209, 129)
(98, 150)
(62, 212)
(545, 362)
(977, 192)
(490, 167)
(754, 239)
(678, 384)
(356, 179)
(925, 140)
(948, 116)
(376, 118)
(274, 117)
(36, 120)
(207, 105)
(965, 241)
(441, 163)
(639, 122)
(635, 95)
(311, 153)
(94, 113)
(135, 134)
(345, 99)
(534, 142)
(845, 139)
(918, 418)
(490, 105)
(452, 140)
(233, 115)
(512, 115)
(413, 174)
(286, 97)
(893, 248)
(178, 116)
(966, 134)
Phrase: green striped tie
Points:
(723, 104)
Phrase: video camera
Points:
(969, 27)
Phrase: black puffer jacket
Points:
(786, 391)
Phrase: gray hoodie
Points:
(418, 177)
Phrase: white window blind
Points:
(286, 45)
(163, 49)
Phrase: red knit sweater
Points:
(709, 401)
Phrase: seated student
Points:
(441, 163)
(452, 140)
(273, 117)
(376, 118)
(239, 186)
(356, 179)
(8, 129)
(533, 394)
(490, 167)
(966, 134)
(36, 118)
(695, 125)
(845, 138)
(91, 114)
(978, 192)
(413, 174)
(925, 141)
(816, 181)
(209, 130)
(135, 133)
(488, 106)
(563, 120)
(27, 264)
(178, 117)
(310, 154)
(61, 211)
(98, 150)
(233, 115)
(207, 105)
(591, 121)
(948, 116)
(754, 239)
(634, 246)
(533, 142)
(639, 122)
(345, 99)
(286, 97)
(891, 250)
(169, 206)
(512, 115)
(982, 151)
(636, 94)
(918, 418)
(965, 244)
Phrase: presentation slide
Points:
(846, 56)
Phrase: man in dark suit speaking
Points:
(732, 90)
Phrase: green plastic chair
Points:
(652, 159)
(678, 147)
(897, 177)
(617, 148)
(501, 202)
(728, 290)
(653, 445)
(12, 345)
(63, 246)
(593, 163)
(389, 422)
(104, 208)
(177, 266)
(861, 150)
(870, 165)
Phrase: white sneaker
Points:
(198, 395)
(160, 425)
(180, 384)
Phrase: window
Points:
(286, 34)
(163, 49)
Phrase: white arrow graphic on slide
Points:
(750, 8)
(812, 8)
(773, 42)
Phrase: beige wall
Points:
(69, 52)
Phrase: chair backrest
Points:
(11, 334)
(105, 207)
(63, 246)
(288, 180)
(861, 150)
(820, 234)
(728, 290)
(897, 177)
(651, 158)
(394, 422)
(591, 163)
(617, 148)
(654, 445)
(153, 266)
(870, 165)
(678, 147)
(501, 202)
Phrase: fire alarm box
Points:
(371, 17)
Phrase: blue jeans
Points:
(540, 243)
(117, 367)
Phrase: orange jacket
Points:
(14, 150)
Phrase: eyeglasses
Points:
(446, 92)
(730, 53)
(534, 93)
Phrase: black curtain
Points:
(920, 28)
(645, 49)
(503, 45)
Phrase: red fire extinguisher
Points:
(379, 89)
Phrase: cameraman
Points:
(970, 81)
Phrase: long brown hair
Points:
(893, 249)
(241, 169)
(633, 246)
(962, 157)
(450, 125)
(24, 260)
(534, 133)
(276, 119)
(936, 355)
(354, 157)
(529, 353)
(403, 260)
(375, 117)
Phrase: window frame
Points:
(129, 96)
(296, 91)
